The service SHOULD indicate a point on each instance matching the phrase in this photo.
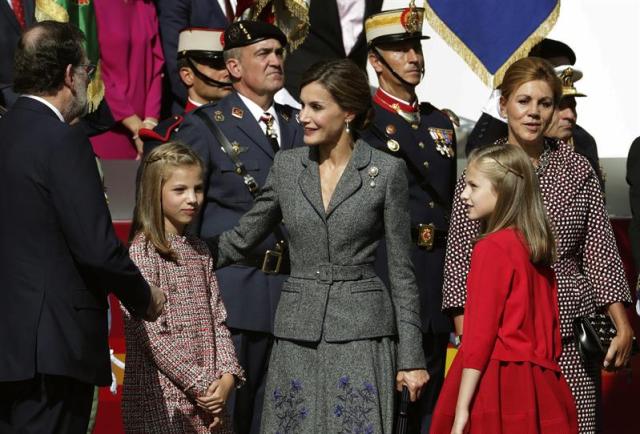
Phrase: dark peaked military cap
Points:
(243, 33)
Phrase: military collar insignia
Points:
(237, 112)
(218, 116)
(443, 138)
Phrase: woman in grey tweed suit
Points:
(344, 341)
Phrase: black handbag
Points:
(593, 335)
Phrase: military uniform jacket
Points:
(333, 293)
(249, 295)
(426, 164)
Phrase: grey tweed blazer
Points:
(332, 292)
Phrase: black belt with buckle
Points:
(428, 236)
(272, 262)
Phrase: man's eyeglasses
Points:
(90, 70)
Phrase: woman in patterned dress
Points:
(588, 269)
(181, 368)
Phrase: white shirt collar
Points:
(195, 103)
(48, 104)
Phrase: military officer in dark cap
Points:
(203, 73)
(237, 138)
(424, 137)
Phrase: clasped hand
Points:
(215, 398)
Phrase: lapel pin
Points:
(237, 112)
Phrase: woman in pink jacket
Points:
(131, 61)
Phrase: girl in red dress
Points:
(505, 377)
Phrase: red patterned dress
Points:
(589, 269)
(172, 361)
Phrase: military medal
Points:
(443, 139)
(393, 145)
(237, 112)
(218, 116)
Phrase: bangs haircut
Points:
(519, 202)
(157, 168)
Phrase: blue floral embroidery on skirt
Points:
(289, 408)
(354, 406)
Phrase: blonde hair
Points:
(519, 202)
(157, 168)
(531, 69)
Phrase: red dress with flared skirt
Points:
(511, 335)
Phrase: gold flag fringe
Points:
(472, 60)
(95, 91)
(291, 16)
(50, 10)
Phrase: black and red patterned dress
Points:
(589, 269)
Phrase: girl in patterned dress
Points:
(505, 377)
(588, 266)
(180, 369)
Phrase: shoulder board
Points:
(163, 131)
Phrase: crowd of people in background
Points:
(302, 250)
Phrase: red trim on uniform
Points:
(147, 134)
(189, 106)
(388, 102)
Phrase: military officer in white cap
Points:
(424, 137)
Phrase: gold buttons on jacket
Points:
(421, 145)
(426, 164)
(431, 204)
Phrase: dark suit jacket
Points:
(633, 179)
(319, 301)
(59, 254)
(10, 32)
(250, 296)
(324, 42)
(174, 16)
(426, 165)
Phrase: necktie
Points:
(267, 118)
(18, 9)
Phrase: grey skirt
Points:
(330, 387)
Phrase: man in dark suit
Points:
(424, 138)
(633, 179)
(15, 16)
(173, 17)
(326, 39)
(59, 254)
(237, 138)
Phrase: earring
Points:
(348, 126)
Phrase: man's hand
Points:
(415, 380)
(156, 303)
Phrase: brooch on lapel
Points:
(373, 172)
(443, 139)
(237, 112)
(218, 116)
